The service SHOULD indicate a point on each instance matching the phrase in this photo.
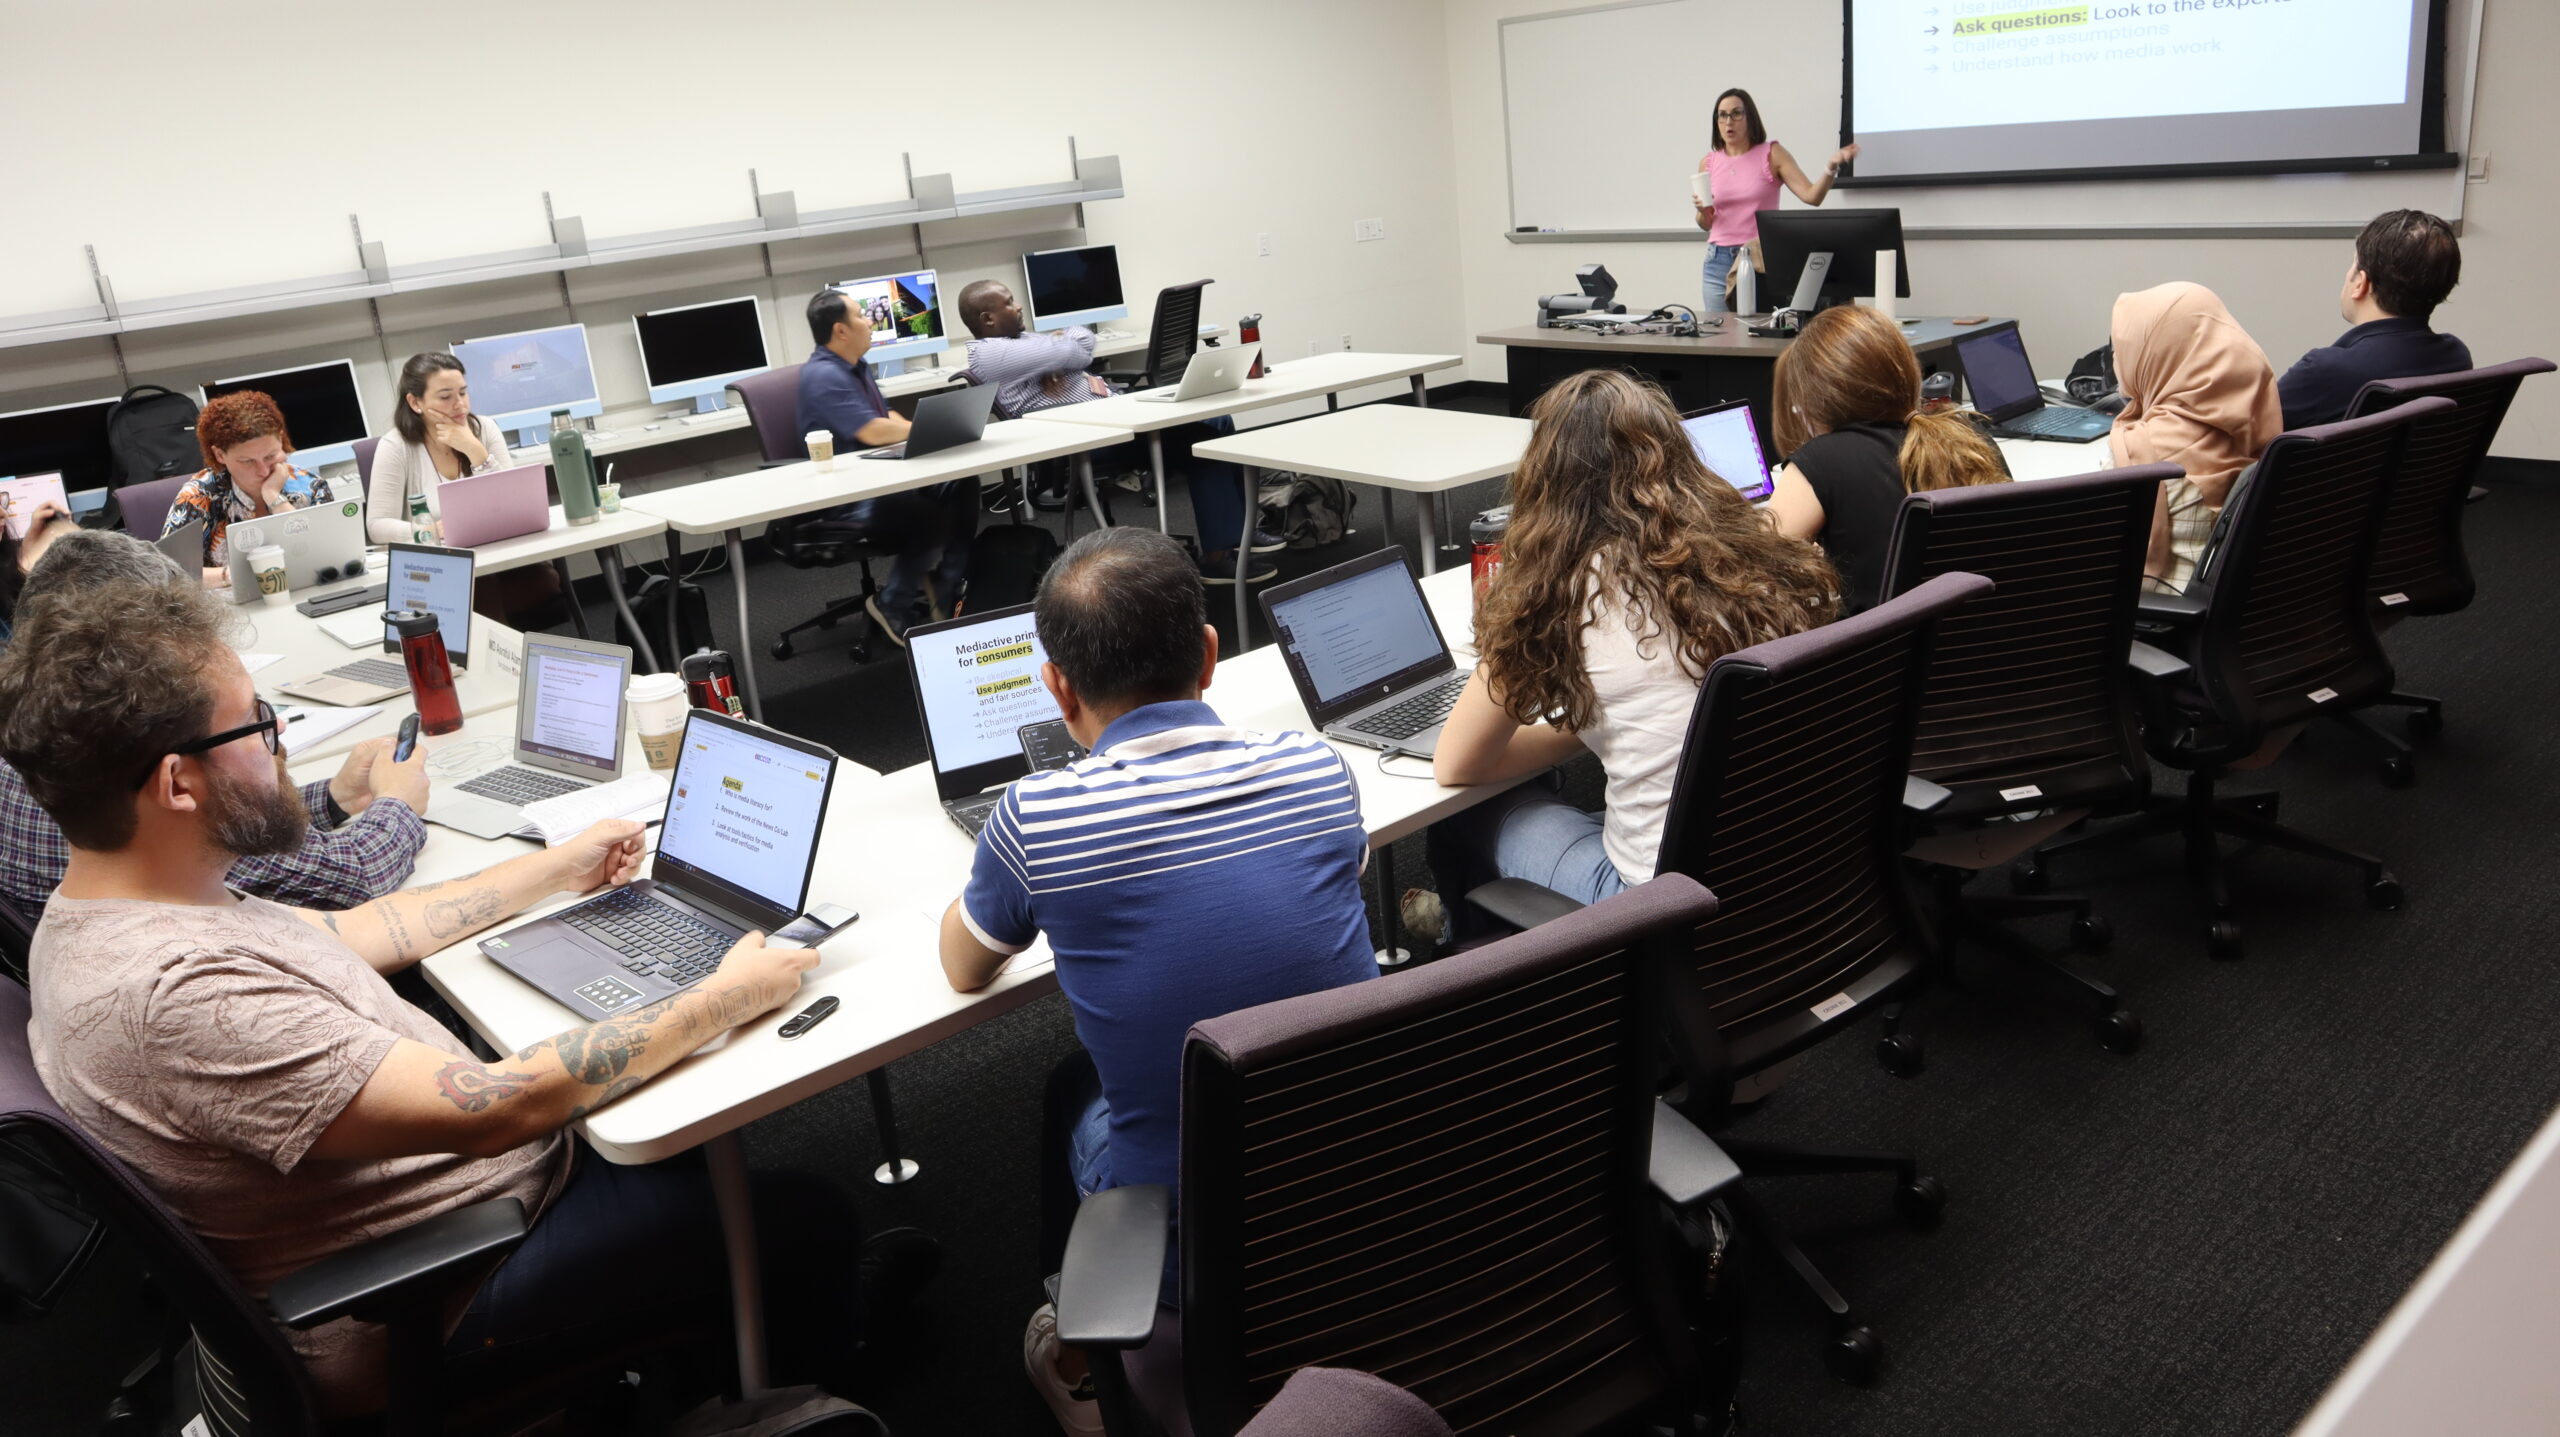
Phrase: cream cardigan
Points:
(401, 469)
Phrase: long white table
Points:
(727, 506)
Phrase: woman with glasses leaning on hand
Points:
(1743, 173)
(248, 474)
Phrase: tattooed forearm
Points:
(393, 928)
(472, 1087)
(472, 908)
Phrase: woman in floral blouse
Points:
(248, 459)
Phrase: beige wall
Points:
(2284, 290)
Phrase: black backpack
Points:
(650, 599)
(1005, 565)
(151, 434)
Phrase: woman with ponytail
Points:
(1848, 419)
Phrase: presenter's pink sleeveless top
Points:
(1743, 185)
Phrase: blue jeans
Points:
(1526, 833)
(1720, 259)
(1089, 1149)
(933, 528)
(1217, 487)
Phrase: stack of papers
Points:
(557, 820)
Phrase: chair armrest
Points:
(2170, 610)
(1520, 903)
(2154, 663)
(1687, 1166)
(392, 1272)
(2478, 493)
(1115, 1267)
(1920, 796)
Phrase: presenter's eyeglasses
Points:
(1732, 114)
(268, 728)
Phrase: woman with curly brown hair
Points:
(1627, 570)
(248, 472)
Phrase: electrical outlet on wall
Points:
(1313, 346)
(1364, 230)
(1262, 244)
(1346, 341)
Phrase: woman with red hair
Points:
(248, 472)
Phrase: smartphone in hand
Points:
(408, 740)
(1048, 745)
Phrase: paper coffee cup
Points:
(1698, 188)
(658, 708)
(822, 445)
(266, 567)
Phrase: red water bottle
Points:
(430, 670)
(1249, 331)
(710, 683)
(1485, 536)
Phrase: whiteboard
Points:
(1606, 111)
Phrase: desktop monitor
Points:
(323, 410)
(519, 380)
(1850, 236)
(694, 350)
(65, 439)
(1061, 287)
(905, 312)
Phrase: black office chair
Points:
(1450, 1178)
(1790, 803)
(2275, 631)
(1173, 337)
(808, 541)
(142, 510)
(17, 935)
(2027, 715)
(2419, 565)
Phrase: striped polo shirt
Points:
(1183, 871)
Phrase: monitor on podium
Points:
(1850, 236)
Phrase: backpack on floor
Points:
(151, 434)
(1316, 511)
(650, 601)
(1005, 565)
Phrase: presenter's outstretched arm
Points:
(1792, 174)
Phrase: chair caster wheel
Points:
(2423, 723)
(782, 650)
(2027, 875)
(1855, 1355)
(2398, 772)
(1919, 1202)
(2265, 803)
(1901, 1054)
(2222, 938)
(2384, 893)
(2092, 934)
(859, 653)
(2120, 1031)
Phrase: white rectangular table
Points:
(727, 506)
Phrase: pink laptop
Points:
(484, 508)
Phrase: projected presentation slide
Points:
(980, 684)
(899, 306)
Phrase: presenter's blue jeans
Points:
(1526, 833)
(1720, 259)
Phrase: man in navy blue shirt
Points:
(2407, 261)
(933, 526)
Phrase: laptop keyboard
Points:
(1409, 716)
(2049, 420)
(972, 813)
(519, 785)
(650, 937)
(373, 671)
(894, 451)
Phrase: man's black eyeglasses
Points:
(268, 727)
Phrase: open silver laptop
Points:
(1212, 371)
(568, 736)
(323, 542)
(1366, 654)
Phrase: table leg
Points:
(736, 540)
(1421, 396)
(1093, 494)
(1155, 470)
(675, 611)
(569, 591)
(1244, 555)
(1430, 531)
(609, 559)
(1390, 914)
(898, 1168)
(728, 1163)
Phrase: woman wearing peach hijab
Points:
(2200, 394)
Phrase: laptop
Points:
(323, 542)
(1212, 371)
(977, 684)
(1993, 360)
(735, 851)
(484, 508)
(568, 736)
(184, 546)
(416, 576)
(1728, 443)
(944, 421)
(1366, 654)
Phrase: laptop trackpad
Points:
(564, 963)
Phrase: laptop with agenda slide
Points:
(1366, 654)
(2002, 382)
(569, 732)
(735, 851)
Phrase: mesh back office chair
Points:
(2275, 631)
(2419, 566)
(807, 541)
(1788, 804)
(1449, 1178)
(2027, 712)
(143, 509)
(1172, 338)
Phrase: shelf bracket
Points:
(377, 270)
(569, 232)
(107, 297)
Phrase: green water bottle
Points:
(573, 471)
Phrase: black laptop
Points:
(734, 853)
(944, 421)
(977, 687)
(2003, 384)
(1366, 654)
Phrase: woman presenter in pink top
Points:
(1743, 173)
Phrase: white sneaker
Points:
(1074, 1407)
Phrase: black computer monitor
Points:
(323, 409)
(65, 439)
(1852, 237)
(1072, 286)
(694, 350)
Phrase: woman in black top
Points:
(1848, 402)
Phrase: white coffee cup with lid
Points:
(658, 708)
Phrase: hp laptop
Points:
(484, 508)
(568, 736)
(1728, 443)
(417, 576)
(323, 542)
(944, 421)
(977, 684)
(734, 853)
(2003, 384)
(1212, 371)
(1366, 654)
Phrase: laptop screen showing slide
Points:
(1358, 635)
(570, 714)
(437, 580)
(1997, 372)
(1729, 445)
(977, 683)
(744, 811)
